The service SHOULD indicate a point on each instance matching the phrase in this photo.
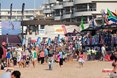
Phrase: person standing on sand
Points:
(103, 50)
(61, 58)
(34, 56)
(42, 56)
(8, 57)
(19, 55)
(1, 53)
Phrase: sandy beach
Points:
(91, 69)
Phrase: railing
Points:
(68, 12)
(61, 3)
(82, 10)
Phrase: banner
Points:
(23, 41)
(11, 28)
(58, 29)
(10, 11)
(38, 40)
(23, 6)
(49, 41)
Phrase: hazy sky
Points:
(17, 4)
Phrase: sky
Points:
(17, 4)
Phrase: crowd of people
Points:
(58, 51)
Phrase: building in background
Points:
(17, 14)
(73, 10)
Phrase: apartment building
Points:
(17, 14)
(73, 10)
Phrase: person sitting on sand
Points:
(113, 74)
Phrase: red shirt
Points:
(42, 54)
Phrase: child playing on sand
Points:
(27, 61)
(34, 56)
(50, 61)
(8, 57)
(81, 60)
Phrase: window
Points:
(92, 7)
(57, 12)
(81, 7)
(67, 10)
(42, 27)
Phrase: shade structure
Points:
(111, 26)
(45, 22)
(90, 29)
(71, 34)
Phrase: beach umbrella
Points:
(89, 29)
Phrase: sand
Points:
(91, 69)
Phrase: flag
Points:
(82, 23)
(23, 41)
(11, 11)
(23, 6)
(93, 23)
(109, 13)
(38, 40)
(111, 16)
(114, 14)
(7, 38)
(12, 25)
(58, 38)
(49, 41)
(105, 18)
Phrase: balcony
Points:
(57, 17)
(82, 1)
(68, 4)
(58, 6)
(85, 13)
(67, 15)
(47, 11)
